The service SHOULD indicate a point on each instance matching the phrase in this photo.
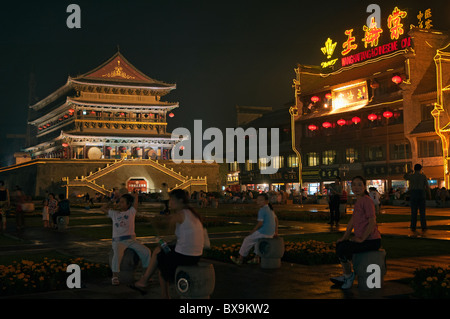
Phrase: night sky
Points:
(219, 53)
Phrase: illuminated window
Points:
(248, 165)
(292, 161)
(262, 163)
(278, 161)
(329, 157)
(234, 167)
(351, 155)
(430, 148)
(312, 159)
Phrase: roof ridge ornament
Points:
(118, 72)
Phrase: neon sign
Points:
(350, 96)
(374, 38)
(328, 50)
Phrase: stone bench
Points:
(128, 266)
(62, 222)
(361, 262)
(195, 282)
(270, 250)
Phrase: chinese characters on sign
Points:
(373, 35)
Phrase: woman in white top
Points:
(189, 246)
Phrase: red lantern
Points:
(66, 116)
(356, 120)
(397, 79)
(388, 114)
(171, 114)
(40, 128)
(372, 117)
(71, 110)
(138, 148)
(312, 127)
(341, 122)
(328, 96)
(93, 112)
(315, 99)
(109, 148)
(326, 124)
(374, 85)
(65, 144)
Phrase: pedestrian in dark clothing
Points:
(335, 201)
(62, 210)
(418, 186)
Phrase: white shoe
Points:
(348, 281)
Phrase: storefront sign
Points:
(377, 38)
(355, 94)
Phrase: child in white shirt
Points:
(123, 235)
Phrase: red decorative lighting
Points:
(65, 144)
(109, 148)
(66, 116)
(372, 117)
(171, 114)
(315, 99)
(328, 96)
(341, 122)
(397, 79)
(374, 85)
(388, 114)
(71, 110)
(138, 148)
(92, 112)
(312, 127)
(356, 120)
(326, 124)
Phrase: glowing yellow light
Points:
(372, 34)
(394, 24)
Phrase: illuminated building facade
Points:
(375, 111)
(111, 112)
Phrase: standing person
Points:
(366, 234)
(19, 200)
(188, 248)
(165, 197)
(45, 216)
(267, 227)
(52, 206)
(373, 193)
(4, 204)
(62, 209)
(418, 185)
(335, 201)
(123, 233)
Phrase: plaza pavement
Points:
(291, 281)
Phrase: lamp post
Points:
(293, 111)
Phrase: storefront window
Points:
(351, 155)
(328, 157)
(400, 151)
(312, 159)
(430, 148)
(375, 153)
(292, 161)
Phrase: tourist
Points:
(373, 193)
(267, 227)
(45, 216)
(418, 186)
(188, 248)
(165, 197)
(62, 209)
(4, 204)
(52, 207)
(19, 200)
(366, 234)
(335, 190)
(123, 233)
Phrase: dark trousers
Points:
(418, 202)
(345, 249)
(335, 215)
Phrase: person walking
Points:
(419, 188)
(267, 227)
(335, 200)
(165, 197)
(366, 234)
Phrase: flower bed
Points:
(309, 252)
(431, 283)
(31, 277)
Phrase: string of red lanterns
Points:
(355, 120)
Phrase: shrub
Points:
(32, 277)
(431, 283)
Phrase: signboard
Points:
(364, 42)
(352, 95)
